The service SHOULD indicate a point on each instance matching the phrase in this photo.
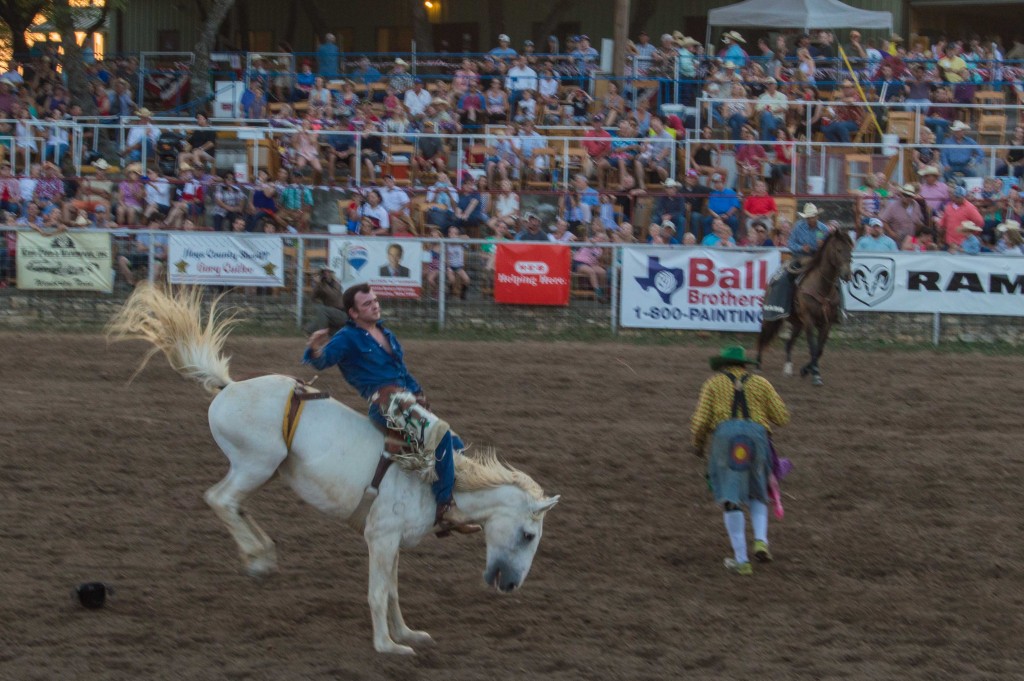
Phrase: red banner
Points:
(532, 274)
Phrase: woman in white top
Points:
(25, 134)
(506, 208)
(548, 86)
(373, 210)
(58, 141)
(320, 100)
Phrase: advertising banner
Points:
(936, 282)
(705, 288)
(226, 259)
(393, 267)
(532, 274)
(64, 262)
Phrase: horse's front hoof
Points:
(787, 369)
(417, 638)
(393, 648)
(261, 567)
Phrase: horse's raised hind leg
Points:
(383, 564)
(768, 332)
(226, 498)
(400, 632)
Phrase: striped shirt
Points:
(715, 404)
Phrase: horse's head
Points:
(513, 533)
(841, 253)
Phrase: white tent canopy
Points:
(805, 14)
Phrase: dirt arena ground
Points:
(900, 556)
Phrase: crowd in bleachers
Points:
(527, 119)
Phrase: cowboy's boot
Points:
(450, 519)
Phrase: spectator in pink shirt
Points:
(958, 211)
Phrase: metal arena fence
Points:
(288, 305)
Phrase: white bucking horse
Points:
(331, 462)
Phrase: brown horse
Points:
(815, 305)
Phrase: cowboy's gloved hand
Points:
(422, 400)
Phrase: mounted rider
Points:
(371, 360)
(804, 241)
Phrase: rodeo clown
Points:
(371, 360)
(737, 409)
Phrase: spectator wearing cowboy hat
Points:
(970, 244)
(965, 156)
(1010, 241)
(902, 215)
(142, 135)
(733, 52)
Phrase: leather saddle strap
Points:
(298, 399)
(383, 464)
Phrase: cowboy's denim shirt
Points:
(363, 362)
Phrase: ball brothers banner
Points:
(68, 262)
(937, 282)
(228, 260)
(393, 267)
(705, 288)
(532, 274)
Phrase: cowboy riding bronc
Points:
(371, 360)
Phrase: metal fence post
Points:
(151, 274)
(936, 328)
(300, 260)
(359, 160)
(617, 253)
(442, 284)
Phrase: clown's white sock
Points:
(759, 520)
(736, 526)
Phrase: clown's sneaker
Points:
(744, 569)
(761, 551)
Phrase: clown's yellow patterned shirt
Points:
(715, 404)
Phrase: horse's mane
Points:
(819, 256)
(484, 470)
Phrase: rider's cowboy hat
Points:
(810, 211)
(1009, 226)
(928, 170)
(731, 355)
(968, 226)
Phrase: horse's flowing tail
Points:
(174, 324)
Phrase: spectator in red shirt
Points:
(759, 206)
(958, 211)
(597, 141)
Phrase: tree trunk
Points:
(207, 40)
(74, 66)
(550, 22)
(620, 34)
(316, 18)
(18, 18)
(642, 12)
(496, 15)
(421, 30)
